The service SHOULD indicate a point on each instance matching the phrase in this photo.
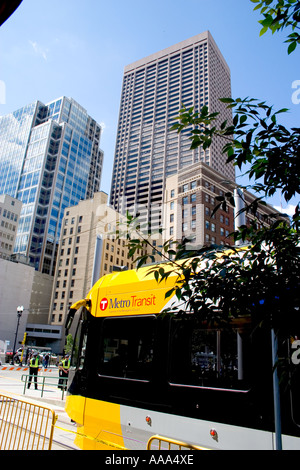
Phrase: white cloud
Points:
(103, 125)
(39, 50)
(289, 210)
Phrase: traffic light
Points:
(7, 7)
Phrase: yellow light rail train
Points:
(135, 374)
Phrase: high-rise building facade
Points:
(193, 73)
(50, 159)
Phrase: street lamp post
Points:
(19, 314)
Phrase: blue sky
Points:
(50, 48)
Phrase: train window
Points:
(79, 348)
(207, 357)
(127, 347)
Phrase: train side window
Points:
(294, 376)
(127, 348)
(207, 357)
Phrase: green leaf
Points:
(263, 30)
(292, 47)
(227, 100)
(170, 292)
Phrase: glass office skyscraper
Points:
(192, 72)
(50, 159)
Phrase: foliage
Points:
(220, 284)
(278, 15)
(69, 344)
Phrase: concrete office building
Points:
(10, 209)
(50, 159)
(22, 285)
(192, 72)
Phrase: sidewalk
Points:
(11, 381)
(12, 386)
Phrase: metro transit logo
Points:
(103, 304)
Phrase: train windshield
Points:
(80, 340)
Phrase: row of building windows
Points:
(9, 226)
(9, 215)
(193, 211)
(208, 226)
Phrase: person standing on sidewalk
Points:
(64, 367)
(33, 369)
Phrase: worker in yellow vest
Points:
(64, 367)
(33, 369)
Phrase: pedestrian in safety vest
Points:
(64, 367)
(33, 369)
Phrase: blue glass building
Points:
(50, 159)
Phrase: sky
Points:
(78, 49)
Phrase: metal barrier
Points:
(25, 426)
(41, 380)
(172, 442)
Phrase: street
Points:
(12, 385)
